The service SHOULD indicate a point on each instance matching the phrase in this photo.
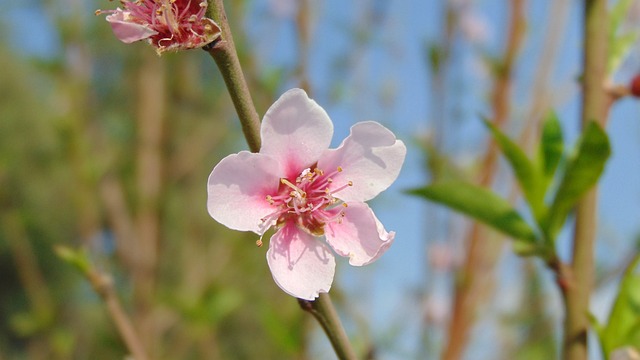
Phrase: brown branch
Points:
(481, 255)
(103, 286)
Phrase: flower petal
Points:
(237, 190)
(295, 131)
(360, 235)
(370, 157)
(301, 265)
(128, 31)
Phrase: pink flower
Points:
(166, 24)
(307, 191)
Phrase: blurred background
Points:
(106, 147)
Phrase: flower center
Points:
(308, 201)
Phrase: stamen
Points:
(289, 184)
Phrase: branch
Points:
(322, 309)
(103, 286)
(594, 107)
(223, 51)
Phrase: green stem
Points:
(322, 309)
(594, 107)
(223, 51)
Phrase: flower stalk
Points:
(323, 310)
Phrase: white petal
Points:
(301, 265)
(128, 31)
(370, 157)
(295, 131)
(238, 187)
(360, 236)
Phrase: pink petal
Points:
(301, 265)
(360, 236)
(370, 157)
(237, 190)
(295, 131)
(126, 30)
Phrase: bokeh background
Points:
(106, 147)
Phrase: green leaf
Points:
(581, 173)
(77, 258)
(623, 326)
(480, 204)
(527, 175)
(618, 13)
(620, 45)
(551, 146)
(619, 48)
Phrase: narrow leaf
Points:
(551, 145)
(619, 48)
(480, 204)
(618, 13)
(581, 173)
(620, 45)
(526, 174)
(622, 326)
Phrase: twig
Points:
(481, 256)
(103, 285)
(223, 51)
(322, 309)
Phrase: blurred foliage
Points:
(70, 151)
(84, 165)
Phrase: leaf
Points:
(551, 145)
(619, 48)
(527, 175)
(620, 45)
(623, 325)
(480, 204)
(582, 172)
(618, 12)
(77, 258)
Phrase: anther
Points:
(350, 183)
(339, 168)
(259, 242)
